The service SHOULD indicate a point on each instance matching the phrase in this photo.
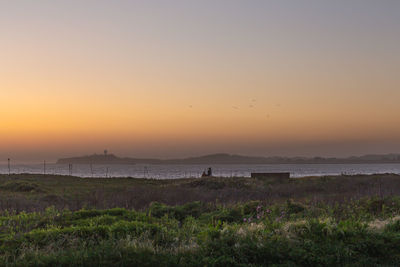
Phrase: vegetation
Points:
(306, 222)
(28, 192)
(364, 232)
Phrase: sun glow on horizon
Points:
(157, 79)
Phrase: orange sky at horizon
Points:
(161, 85)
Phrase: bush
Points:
(193, 209)
(22, 187)
(197, 234)
(293, 207)
(393, 227)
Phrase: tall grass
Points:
(31, 193)
(199, 234)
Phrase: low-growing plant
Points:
(253, 233)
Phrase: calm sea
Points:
(181, 171)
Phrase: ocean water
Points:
(182, 171)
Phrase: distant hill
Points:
(223, 158)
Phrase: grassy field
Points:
(316, 221)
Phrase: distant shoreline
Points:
(231, 159)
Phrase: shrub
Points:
(293, 207)
(22, 187)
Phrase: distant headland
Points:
(224, 158)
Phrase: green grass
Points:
(198, 234)
(317, 221)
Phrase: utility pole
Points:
(44, 167)
(9, 167)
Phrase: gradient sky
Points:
(179, 78)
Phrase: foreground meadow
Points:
(68, 221)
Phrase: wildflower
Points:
(244, 219)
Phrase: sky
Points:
(184, 78)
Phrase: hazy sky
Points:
(178, 78)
